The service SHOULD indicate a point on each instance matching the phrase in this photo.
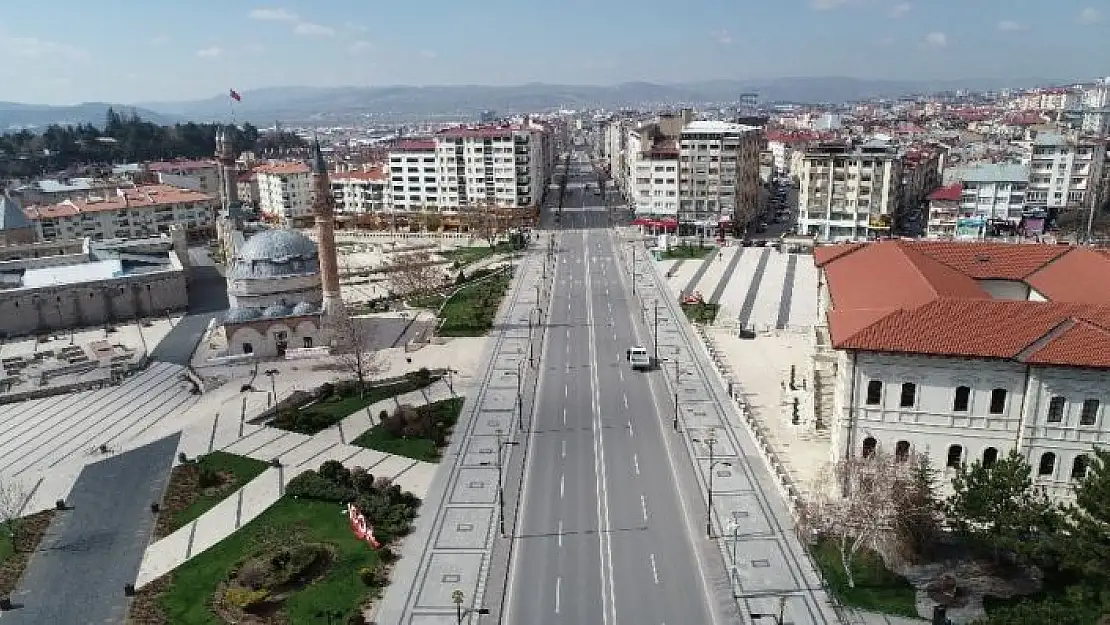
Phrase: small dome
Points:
(279, 245)
(241, 315)
(276, 310)
(304, 308)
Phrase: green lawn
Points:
(686, 251)
(286, 523)
(417, 448)
(471, 310)
(877, 588)
(242, 468)
(467, 255)
(701, 313)
(327, 412)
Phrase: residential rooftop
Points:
(139, 197)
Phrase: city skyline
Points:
(181, 52)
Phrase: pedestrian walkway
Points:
(715, 271)
(723, 283)
(692, 285)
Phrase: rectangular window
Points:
(1056, 409)
(909, 395)
(874, 393)
(1090, 412)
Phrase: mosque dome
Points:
(277, 310)
(276, 253)
(241, 315)
(305, 308)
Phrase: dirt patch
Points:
(183, 490)
(271, 582)
(30, 533)
(145, 609)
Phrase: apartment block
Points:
(1065, 172)
(198, 175)
(847, 191)
(505, 166)
(719, 172)
(413, 175)
(285, 191)
(655, 180)
(127, 214)
(360, 192)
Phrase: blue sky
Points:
(65, 51)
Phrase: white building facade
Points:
(845, 192)
(285, 191)
(140, 212)
(1064, 172)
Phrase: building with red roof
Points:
(964, 350)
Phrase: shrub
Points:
(312, 485)
(373, 576)
(207, 477)
(335, 472)
(383, 415)
(245, 598)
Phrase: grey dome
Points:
(276, 310)
(304, 308)
(241, 315)
(276, 253)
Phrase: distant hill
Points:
(14, 115)
(344, 104)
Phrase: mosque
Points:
(282, 287)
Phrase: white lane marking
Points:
(624, 396)
(566, 390)
(605, 548)
(564, 420)
(631, 432)
(654, 571)
(636, 463)
(562, 485)
(559, 534)
(643, 507)
(558, 589)
(621, 373)
(563, 452)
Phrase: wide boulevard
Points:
(603, 537)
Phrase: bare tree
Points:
(861, 502)
(12, 499)
(410, 273)
(353, 348)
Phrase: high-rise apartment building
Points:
(848, 191)
(413, 175)
(360, 192)
(1065, 172)
(285, 192)
(985, 194)
(718, 173)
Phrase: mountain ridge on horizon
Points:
(307, 104)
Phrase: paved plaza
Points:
(756, 287)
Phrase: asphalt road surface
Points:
(602, 537)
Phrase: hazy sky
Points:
(65, 51)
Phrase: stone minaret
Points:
(229, 189)
(325, 233)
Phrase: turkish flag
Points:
(235, 96)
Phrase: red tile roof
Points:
(478, 132)
(139, 197)
(926, 297)
(413, 145)
(951, 193)
(283, 169)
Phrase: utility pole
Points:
(657, 330)
(676, 381)
(710, 441)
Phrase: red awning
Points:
(642, 221)
(668, 223)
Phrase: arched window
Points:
(998, 401)
(909, 395)
(1047, 464)
(874, 393)
(990, 457)
(1079, 467)
(962, 401)
(902, 451)
(955, 456)
(869, 445)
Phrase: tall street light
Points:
(519, 397)
(457, 598)
(273, 385)
(710, 441)
(501, 445)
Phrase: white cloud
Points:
(1089, 16)
(274, 15)
(359, 46)
(722, 37)
(41, 49)
(210, 53)
(427, 54)
(314, 30)
(158, 40)
(898, 10)
(1010, 26)
(936, 40)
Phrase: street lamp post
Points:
(273, 385)
(519, 397)
(778, 618)
(676, 381)
(710, 441)
(501, 445)
(657, 330)
(457, 598)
